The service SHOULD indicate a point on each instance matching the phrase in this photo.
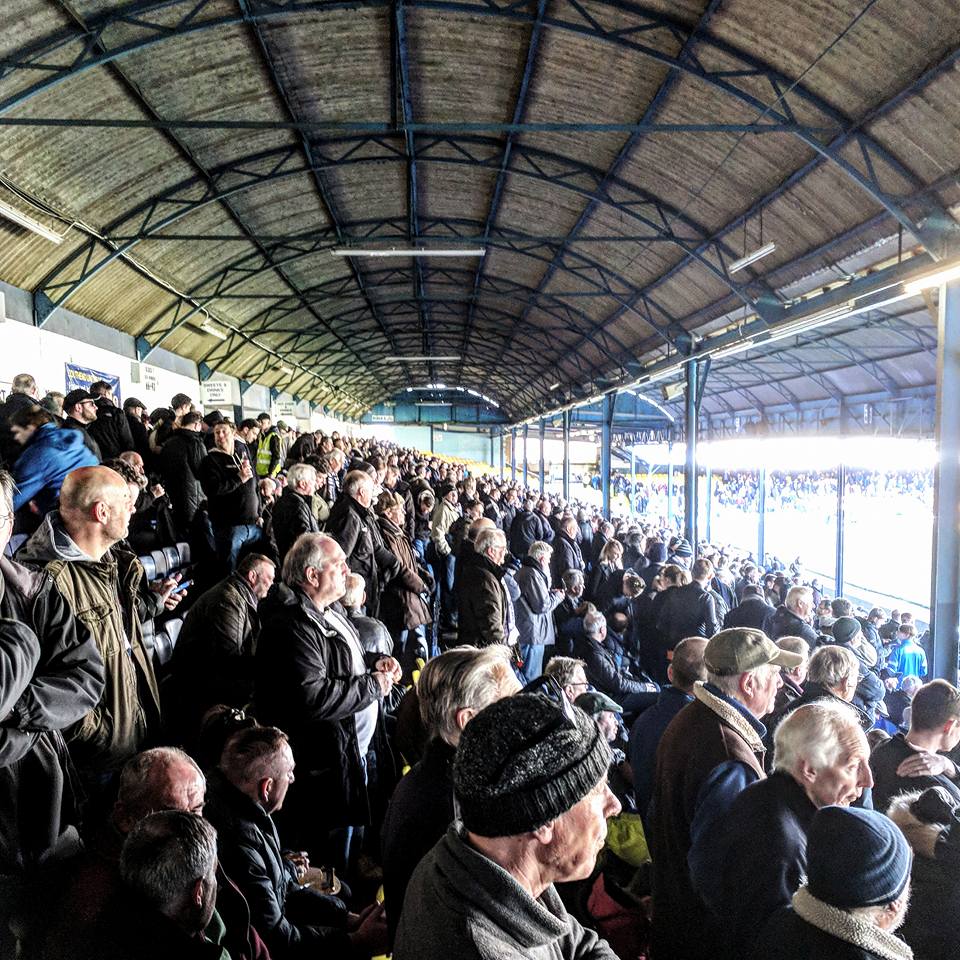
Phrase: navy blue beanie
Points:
(657, 552)
(856, 858)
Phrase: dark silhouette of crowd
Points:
(270, 692)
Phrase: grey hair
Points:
(833, 664)
(729, 683)
(460, 678)
(138, 778)
(300, 472)
(563, 669)
(353, 596)
(488, 538)
(307, 551)
(572, 578)
(354, 480)
(164, 856)
(7, 486)
(539, 549)
(798, 593)
(592, 622)
(814, 732)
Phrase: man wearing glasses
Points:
(79, 411)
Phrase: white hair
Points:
(308, 550)
(831, 665)
(729, 683)
(301, 472)
(798, 594)
(539, 549)
(593, 623)
(488, 538)
(817, 732)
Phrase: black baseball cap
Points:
(77, 396)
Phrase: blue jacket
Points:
(50, 454)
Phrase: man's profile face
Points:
(579, 834)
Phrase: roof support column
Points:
(606, 463)
(542, 427)
(513, 454)
(670, 484)
(841, 491)
(762, 515)
(566, 454)
(501, 454)
(691, 412)
(945, 587)
(526, 436)
(633, 479)
(709, 473)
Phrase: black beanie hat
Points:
(521, 763)
(657, 552)
(856, 858)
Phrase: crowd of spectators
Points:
(414, 710)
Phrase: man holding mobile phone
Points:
(226, 476)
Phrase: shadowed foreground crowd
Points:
(417, 712)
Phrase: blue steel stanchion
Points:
(513, 454)
(709, 502)
(670, 485)
(566, 454)
(761, 520)
(841, 524)
(633, 479)
(606, 437)
(501, 454)
(690, 465)
(526, 436)
(492, 464)
(945, 586)
(543, 433)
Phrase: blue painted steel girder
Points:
(46, 56)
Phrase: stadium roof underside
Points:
(201, 159)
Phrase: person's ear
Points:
(265, 791)
(196, 894)
(544, 834)
(463, 716)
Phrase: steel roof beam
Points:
(323, 193)
(519, 112)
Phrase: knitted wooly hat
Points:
(521, 763)
(856, 858)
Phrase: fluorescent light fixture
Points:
(399, 359)
(212, 331)
(409, 252)
(752, 257)
(733, 349)
(933, 279)
(553, 386)
(284, 369)
(23, 220)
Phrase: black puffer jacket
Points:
(292, 515)
(9, 448)
(355, 529)
(305, 684)
(784, 623)
(601, 670)
(230, 501)
(38, 808)
(481, 600)
(111, 430)
(248, 847)
(687, 611)
(566, 556)
(180, 459)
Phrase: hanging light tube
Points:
(22, 219)
(752, 257)
(408, 252)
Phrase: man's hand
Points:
(370, 937)
(926, 764)
(246, 472)
(391, 667)
(157, 491)
(384, 681)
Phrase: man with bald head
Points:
(80, 547)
